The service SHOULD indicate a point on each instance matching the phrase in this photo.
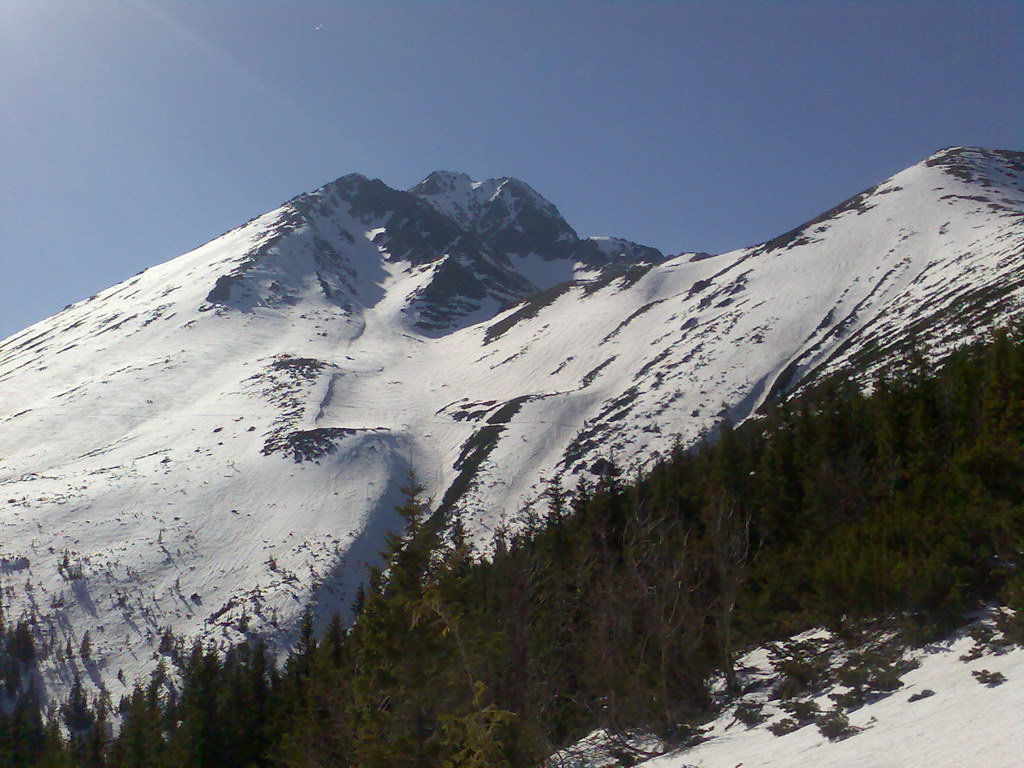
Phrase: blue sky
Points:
(134, 130)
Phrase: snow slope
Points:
(964, 723)
(941, 717)
(219, 440)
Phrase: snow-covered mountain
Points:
(219, 440)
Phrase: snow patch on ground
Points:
(941, 717)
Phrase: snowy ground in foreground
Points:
(965, 724)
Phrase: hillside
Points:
(839, 581)
(220, 440)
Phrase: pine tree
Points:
(85, 649)
(76, 712)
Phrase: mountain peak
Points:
(437, 182)
(505, 210)
(987, 167)
(478, 245)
